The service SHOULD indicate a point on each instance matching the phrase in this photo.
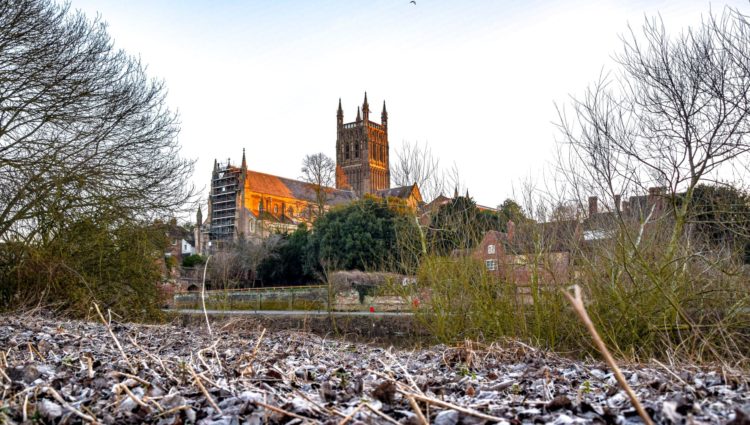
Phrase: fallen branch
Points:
(577, 303)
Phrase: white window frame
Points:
(490, 249)
(491, 264)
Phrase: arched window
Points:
(346, 151)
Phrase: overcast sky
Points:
(476, 80)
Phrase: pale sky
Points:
(476, 80)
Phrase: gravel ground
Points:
(61, 371)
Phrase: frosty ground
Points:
(61, 371)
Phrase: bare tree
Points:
(320, 170)
(82, 128)
(237, 265)
(675, 116)
(415, 163)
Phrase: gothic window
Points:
(346, 151)
(356, 150)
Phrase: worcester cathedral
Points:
(249, 203)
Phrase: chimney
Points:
(510, 231)
(625, 207)
(593, 205)
(618, 198)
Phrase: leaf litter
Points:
(65, 371)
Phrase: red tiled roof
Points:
(268, 184)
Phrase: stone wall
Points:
(290, 298)
(283, 298)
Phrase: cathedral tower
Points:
(362, 157)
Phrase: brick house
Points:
(534, 254)
(545, 253)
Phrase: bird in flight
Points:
(413, 2)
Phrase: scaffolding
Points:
(225, 187)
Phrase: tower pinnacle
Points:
(365, 109)
(384, 116)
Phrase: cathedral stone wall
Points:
(362, 152)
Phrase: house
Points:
(546, 253)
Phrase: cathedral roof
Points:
(402, 192)
(288, 188)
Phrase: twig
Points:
(2, 373)
(203, 389)
(33, 350)
(203, 297)
(318, 406)
(131, 395)
(173, 410)
(152, 357)
(381, 414)
(447, 405)
(25, 408)
(89, 366)
(406, 372)
(51, 391)
(351, 415)
(156, 403)
(577, 303)
(251, 358)
(133, 377)
(282, 411)
(112, 334)
(670, 372)
(416, 409)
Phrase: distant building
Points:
(545, 253)
(249, 203)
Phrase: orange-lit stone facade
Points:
(252, 204)
(362, 155)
